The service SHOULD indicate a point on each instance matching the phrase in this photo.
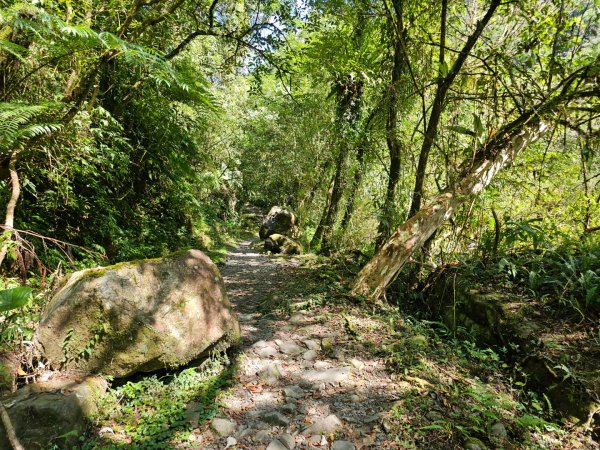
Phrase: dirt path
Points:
(303, 382)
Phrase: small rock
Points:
(317, 439)
(387, 426)
(231, 441)
(297, 318)
(339, 354)
(270, 374)
(327, 425)
(312, 344)
(289, 408)
(355, 398)
(276, 445)
(289, 348)
(242, 434)
(319, 365)
(223, 427)
(372, 418)
(342, 445)
(266, 352)
(293, 391)
(357, 363)
(287, 440)
(309, 355)
(262, 436)
(261, 425)
(334, 375)
(276, 418)
(260, 344)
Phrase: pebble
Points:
(223, 427)
(297, 318)
(293, 391)
(266, 352)
(319, 365)
(262, 436)
(231, 441)
(276, 445)
(317, 439)
(276, 418)
(289, 408)
(287, 440)
(270, 374)
(342, 445)
(332, 376)
(289, 348)
(328, 425)
(309, 355)
(357, 363)
(311, 344)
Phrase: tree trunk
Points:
(349, 92)
(323, 233)
(410, 236)
(360, 156)
(393, 144)
(9, 220)
(444, 83)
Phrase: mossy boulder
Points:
(53, 414)
(137, 317)
(278, 243)
(279, 221)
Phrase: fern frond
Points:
(19, 121)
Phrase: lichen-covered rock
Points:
(279, 221)
(138, 316)
(278, 243)
(52, 414)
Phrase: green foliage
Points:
(157, 412)
(14, 298)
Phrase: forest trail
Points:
(302, 382)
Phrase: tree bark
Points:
(410, 236)
(393, 144)
(9, 220)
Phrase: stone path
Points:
(303, 384)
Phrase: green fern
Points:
(20, 121)
(60, 38)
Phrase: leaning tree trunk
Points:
(9, 220)
(410, 236)
(499, 152)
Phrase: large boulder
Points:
(138, 316)
(279, 221)
(54, 413)
(278, 243)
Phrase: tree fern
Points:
(19, 121)
(59, 38)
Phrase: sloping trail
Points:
(303, 382)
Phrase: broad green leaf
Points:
(14, 298)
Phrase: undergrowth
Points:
(157, 412)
